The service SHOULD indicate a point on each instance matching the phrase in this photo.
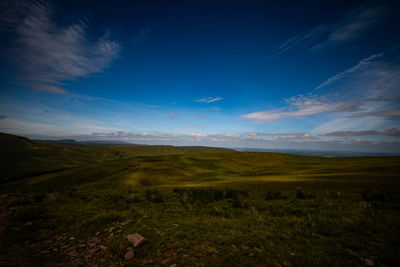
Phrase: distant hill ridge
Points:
(99, 142)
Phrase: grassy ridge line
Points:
(23, 158)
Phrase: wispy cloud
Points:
(387, 132)
(389, 114)
(302, 106)
(17, 126)
(208, 99)
(48, 54)
(94, 127)
(338, 30)
(363, 63)
(374, 83)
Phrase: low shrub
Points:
(240, 201)
(132, 197)
(334, 195)
(204, 195)
(300, 194)
(148, 181)
(382, 195)
(113, 197)
(154, 196)
(231, 193)
(275, 195)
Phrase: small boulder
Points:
(129, 255)
(125, 222)
(136, 239)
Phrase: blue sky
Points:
(287, 74)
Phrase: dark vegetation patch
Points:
(381, 195)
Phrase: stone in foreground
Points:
(129, 255)
(136, 239)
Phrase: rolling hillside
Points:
(195, 207)
(22, 158)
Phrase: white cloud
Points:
(48, 54)
(208, 100)
(302, 106)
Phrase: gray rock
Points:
(136, 239)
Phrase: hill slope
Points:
(200, 209)
(23, 158)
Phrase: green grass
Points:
(212, 209)
(23, 158)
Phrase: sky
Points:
(315, 75)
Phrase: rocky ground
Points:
(75, 252)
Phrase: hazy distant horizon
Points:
(295, 150)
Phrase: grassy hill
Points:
(196, 208)
(22, 158)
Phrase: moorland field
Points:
(73, 204)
